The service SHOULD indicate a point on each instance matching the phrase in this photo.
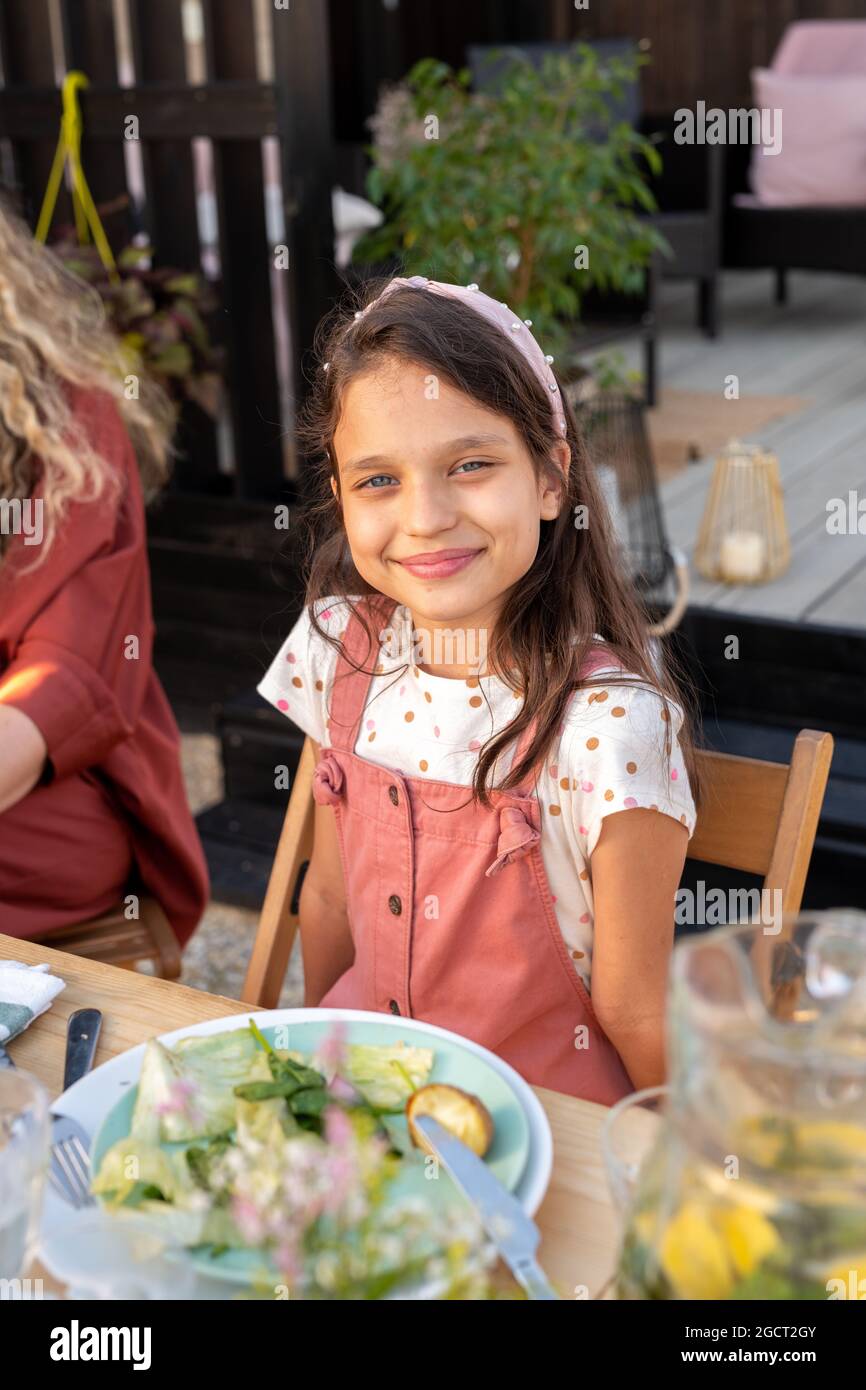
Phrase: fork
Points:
(69, 1172)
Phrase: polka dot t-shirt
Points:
(609, 755)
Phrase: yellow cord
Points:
(83, 206)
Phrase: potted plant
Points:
(536, 192)
(160, 316)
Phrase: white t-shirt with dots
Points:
(609, 757)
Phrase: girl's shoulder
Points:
(301, 674)
(619, 749)
(620, 705)
(311, 641)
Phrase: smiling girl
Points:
(504, 781)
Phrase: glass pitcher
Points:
(746, 1179)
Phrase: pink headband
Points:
(498, 312)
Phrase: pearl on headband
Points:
(498, 312)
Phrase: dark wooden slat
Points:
(172, 217)
(28, 60)
(158, 46)
(89, 43)
(28, 57)
(302, 74)
(349, 108)
(378, 36)
(230, 40)
(246, 257)
(166, 111)
(88, 27)
(159, 40)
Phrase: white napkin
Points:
(25, 992)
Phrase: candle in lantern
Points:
(741, 558)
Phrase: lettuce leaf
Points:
(182, 1226)
(387, 1076)
(268, 1121)
(194, 1080)
(132, 1161)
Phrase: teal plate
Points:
(452, 1065)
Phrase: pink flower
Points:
(248, 1218)
(338, 1126)
(179, 1101)
(334, 1046)
(289, 1262)
(341, 1089)
(342, 1179)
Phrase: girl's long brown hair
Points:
(573, 590)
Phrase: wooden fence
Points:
(235, 110)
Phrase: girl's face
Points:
(425, 471)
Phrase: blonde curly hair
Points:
(54, 335)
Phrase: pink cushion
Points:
(822, 160)
(822, 48)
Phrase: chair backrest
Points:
(119, 940)
(758, 817)
(278, 924)
(761, 817)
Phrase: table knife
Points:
(514, 1234)
(82, 1035)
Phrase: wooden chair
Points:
(115, 940)
(278, 923)
(758, 817)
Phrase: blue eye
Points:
(475, 463)
(372, 480)
(470, 463)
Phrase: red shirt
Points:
(65, 649)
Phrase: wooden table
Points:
(577, 1221)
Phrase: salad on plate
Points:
(301, 1174)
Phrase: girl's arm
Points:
(636, 869)
(326, 939)
(22, 755)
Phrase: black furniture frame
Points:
(788, 238)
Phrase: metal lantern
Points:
(613, 427)
(743, 538)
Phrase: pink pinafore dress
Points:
(451, 912)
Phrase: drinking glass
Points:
(629, 1131)
(24, 1154)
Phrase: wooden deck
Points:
(814, 347)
